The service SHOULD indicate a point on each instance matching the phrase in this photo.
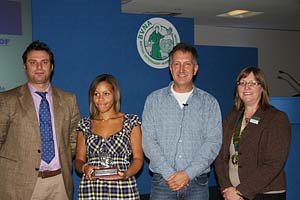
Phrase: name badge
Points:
(254, 120)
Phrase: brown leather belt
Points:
(47, 174)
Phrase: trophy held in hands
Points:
(106, 168)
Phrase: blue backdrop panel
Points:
(293, 164)
(93, 37)
(219, 67)
(291, 106)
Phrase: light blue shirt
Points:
(176, 138)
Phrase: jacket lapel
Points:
(29, 112)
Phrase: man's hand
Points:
(178, 180)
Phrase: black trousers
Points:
(215, 194)
(280, 196)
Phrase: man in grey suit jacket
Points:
(23, 172)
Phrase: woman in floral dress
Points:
(108, 139)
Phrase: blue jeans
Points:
(197, 189)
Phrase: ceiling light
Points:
(239, 14)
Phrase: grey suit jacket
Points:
(20, 144)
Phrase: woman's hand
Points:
(88, 171)
(230, 193)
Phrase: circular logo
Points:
(155, 39)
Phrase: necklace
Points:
(103, 120)
(247, 119)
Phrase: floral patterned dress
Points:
(118, 147)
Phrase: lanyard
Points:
(238, 134)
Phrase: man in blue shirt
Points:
(182, 131)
